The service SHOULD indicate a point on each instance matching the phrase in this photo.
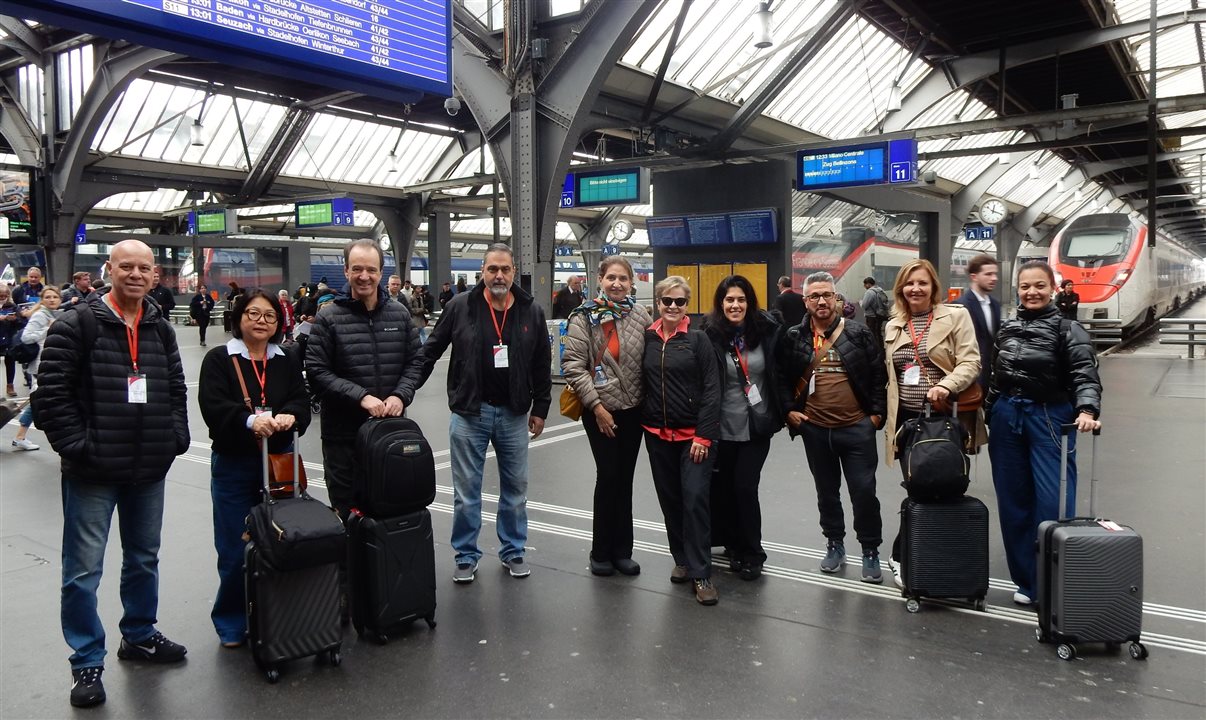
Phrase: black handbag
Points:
(23, 353)
(935, 466)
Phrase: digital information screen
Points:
(745, 227)
(16, 205)
(616, 187)
(319, 213)
(213, 222)
(352, 44)
(893, 161)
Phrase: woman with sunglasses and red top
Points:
(681, 417)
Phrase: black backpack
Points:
(931, 449)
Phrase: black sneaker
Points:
(156, 649)
(86, 687)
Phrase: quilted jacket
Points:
(1046, 359)
(353, 352)
(99, 436)
(583, 345)
(682, 383)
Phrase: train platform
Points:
(565, 644)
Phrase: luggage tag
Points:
(136, 388)
(912, 375)
(600, 378)
(500, 357)
(752, 394)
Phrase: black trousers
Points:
(736, 511)
(682, 491)
(849, 451)
(202, 326)
(876, 325)
(338, 464)
(615, 464)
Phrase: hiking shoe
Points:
(464, 573)
(627, 566)
(86, 687)
(156, 649)
(835, 557)
(705, 592)
(871, 572)
(517, 567)
(678, 575)
(25, 444)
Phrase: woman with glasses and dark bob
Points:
(604, 344)
(932, 355)
(279, 403)
(745, 339)
(681, 417)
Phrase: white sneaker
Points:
(1022, 598)
(897, 569)
(25, 444)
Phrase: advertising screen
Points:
(16, 205)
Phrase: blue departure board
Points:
(708, 229)
(379, 47)
(744, 227)
(753, 227)
(667, 231)
(877, 163)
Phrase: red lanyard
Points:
(261, 377)
(498, 328)
(745, 368)
(917, 339)
(131, 332)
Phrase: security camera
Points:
(452, 105)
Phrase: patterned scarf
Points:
(604, 307)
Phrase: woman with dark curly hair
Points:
(751, 413)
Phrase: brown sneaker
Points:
(679, 574)
(10, 391)
(705, 592)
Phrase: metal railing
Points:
(1183, 331)
(1104, 332)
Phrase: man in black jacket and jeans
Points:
(499, 390)
(112, 381)
(362, 360)
(839, 412)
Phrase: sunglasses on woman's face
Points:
(668, 301)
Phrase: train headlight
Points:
(1122, 275)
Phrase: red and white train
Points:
(1118, 276)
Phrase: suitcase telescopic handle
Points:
(1066, 430)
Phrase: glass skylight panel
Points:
(156, 201)
(343, 150)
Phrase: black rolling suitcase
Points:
(293, 602)
(395, 469)
(1090, 576)
(391, 573)
(944, 550)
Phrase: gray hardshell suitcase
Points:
(1090, 575)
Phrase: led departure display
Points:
(878, 163)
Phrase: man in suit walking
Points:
(985, 310)
(789, 304)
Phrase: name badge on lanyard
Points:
(136, 388)
(501, 360)
(500, 357)
(752, 394)
(912, 375)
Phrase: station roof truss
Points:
(984, 86)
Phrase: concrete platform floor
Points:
(562, 643)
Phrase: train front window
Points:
(1095, 244)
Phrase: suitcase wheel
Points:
(913, 605)
(431, 623)
(1038, 635)
(980, 604)
(381, 639)
(1138, 651)
(1066, 651)
(273, 675)
(335, 657)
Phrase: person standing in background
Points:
(162, 295)
(1067, 300)
(789, 304)
(10, 325)
(568, 298)
(81, 288)
(877, 308)
(984, 309)
(446, 294)
(199, 309)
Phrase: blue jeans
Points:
(87, 515)
(235, 484)
(469, 437)
(1025, 452)
(26, 418)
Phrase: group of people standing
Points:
(708, 400)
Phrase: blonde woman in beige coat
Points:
(932, 355)
(605, 340)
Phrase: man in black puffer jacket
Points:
(839, 411)
(111, 399)
(363, 360)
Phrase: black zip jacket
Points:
(682, 383)
(770, 333)
(225, 413)
(1044, 357)
(352, 353)
(862, 355)
(99, 435)
(529, 356)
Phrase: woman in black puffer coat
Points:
(1044, 377)
(751, 413)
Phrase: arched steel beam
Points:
(18, 131)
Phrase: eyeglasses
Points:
(255, 316)
(668, 301)
(827, 296)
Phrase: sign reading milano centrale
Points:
(387, 48)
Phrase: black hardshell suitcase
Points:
(1090, 576)
(395, 469)
(944, 550)
(391, 573)
(291, 613)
